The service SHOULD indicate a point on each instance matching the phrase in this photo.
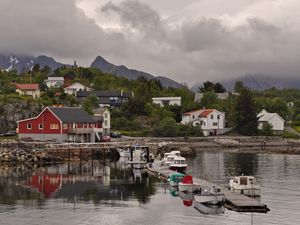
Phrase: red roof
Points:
(206, 112)
(27, 86)
(202, 112)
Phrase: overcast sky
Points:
(186, 40)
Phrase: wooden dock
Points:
(233, 201)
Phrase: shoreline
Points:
(160, 145)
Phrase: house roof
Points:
(27, 86)
(265, 116)
(206, 112)
(72, 115)
(193, 112)
(201, 112)
(98, 118)
(76, 83)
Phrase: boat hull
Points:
(208, 209)
(180, 169)
(212, 199)
(188, 187)
(254, 192)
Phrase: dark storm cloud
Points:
(50, 27)
(190, 50)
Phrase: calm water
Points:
(103, 192)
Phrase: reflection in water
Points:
(107, 192)
(91, 181)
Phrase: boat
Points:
(124, 152)
(246, 185)
(208, 208)
(178, 164)
(169, 157)
(169, 161)
(187, 185)
(175, 178)
(173, 191)
(186, 196)
(212, 196)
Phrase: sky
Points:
(186, 40)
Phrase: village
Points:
(60, 123)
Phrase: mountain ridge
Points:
(23, 63)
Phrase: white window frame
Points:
(29, 126)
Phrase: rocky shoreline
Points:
(26, 156)
(34, 152)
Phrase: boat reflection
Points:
(188, 200)
(208, 208)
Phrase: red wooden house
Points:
(61, 124)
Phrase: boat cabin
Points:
(177, 153)
(244, 180)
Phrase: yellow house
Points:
(28, 89)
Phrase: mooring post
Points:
(147, 154)
(131, 153)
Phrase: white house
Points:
(273, 119)
(73, 88)
(211, 121)
(54, 82)
(104, 112)
(165, 101)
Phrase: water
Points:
(103, 192)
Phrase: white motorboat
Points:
(169, 158)
(187, 185)
(246, 185)
(210, 196)
(178, 164)
(208, 208)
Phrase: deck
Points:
(233, 201)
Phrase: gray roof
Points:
(72, 115)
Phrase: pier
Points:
(233, 201)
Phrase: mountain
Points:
(132, 74)
(258, 82)
(23, 63)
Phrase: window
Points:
(215, 124)
(41, 126)
(105, 122)
(65, 126)
(218, 117)
(105, 115)
(29, 126)
(54, 126)
(212, 116)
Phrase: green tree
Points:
(246, 121)
(90, 104)
(238, 86)
(267, 129)
(210, 86)
(209, 100)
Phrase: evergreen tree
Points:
(246, 121)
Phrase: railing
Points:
(84, 130)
